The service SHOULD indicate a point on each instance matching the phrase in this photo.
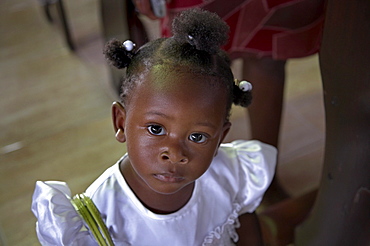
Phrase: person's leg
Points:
(267, 77)
(341, 214)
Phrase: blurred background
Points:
(55, 110)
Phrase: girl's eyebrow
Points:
(163, 115)
(206, 124)
(158, 114)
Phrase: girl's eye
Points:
(156, 130)
(197, 138)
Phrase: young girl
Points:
(177, 184)
(264, 35)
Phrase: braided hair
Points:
(195, 47)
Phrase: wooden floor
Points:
(55, 112)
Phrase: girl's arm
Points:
(249, 231)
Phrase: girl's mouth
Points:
(169, 177)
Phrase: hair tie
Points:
(128, 45)
(191, 39)
(244, 85)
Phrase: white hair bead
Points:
(245, 86)
(129, 45)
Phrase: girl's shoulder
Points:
(243, 155)
(108, 178)
(249, 147)
(242, 171)
(56, 216)
(58, 222)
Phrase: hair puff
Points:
(116, 54)
(204, 30)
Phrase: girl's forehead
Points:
(183, 95)
(179, 78)
(180, 88)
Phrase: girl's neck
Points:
(156, 202)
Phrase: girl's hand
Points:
(144, 7)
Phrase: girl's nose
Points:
(175, 153)
(174, 158)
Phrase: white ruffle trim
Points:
(226, 233)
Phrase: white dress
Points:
(234, 184)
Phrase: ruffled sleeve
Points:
(257, 168)
(58, 223)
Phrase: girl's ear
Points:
(226, 129)
(119, 118)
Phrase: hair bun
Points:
(119, 54)
(204, 30)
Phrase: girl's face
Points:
(173, 127)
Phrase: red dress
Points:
(280, 29)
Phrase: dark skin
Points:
(173, 129)
(249, 231)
